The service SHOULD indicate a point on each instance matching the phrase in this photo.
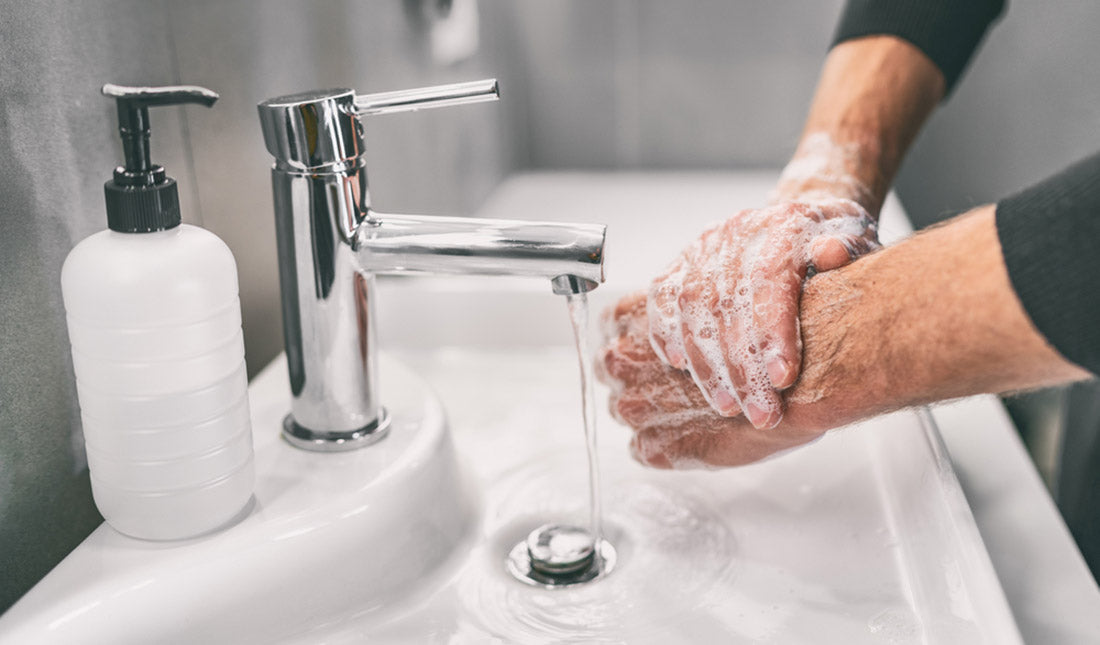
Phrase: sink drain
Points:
(557, 555)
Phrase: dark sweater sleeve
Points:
(947, 31)
(1050, 237)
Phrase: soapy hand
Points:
(726, 310)
(674, 426)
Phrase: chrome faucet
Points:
(331, 244)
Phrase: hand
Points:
(932, 318)
(673, 423)
(872, 98)
(726, 309)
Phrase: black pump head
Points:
(140, 197)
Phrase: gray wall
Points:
(712, 83)
(587, 84)
(669, 85)
(1028, 107)
(56, 149)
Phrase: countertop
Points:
(1048, 585)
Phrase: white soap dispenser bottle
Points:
(155, 326)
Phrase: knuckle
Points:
(614, 365)
(613, 408)
(634, 412)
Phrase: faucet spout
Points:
(570, 255)
(571, 285)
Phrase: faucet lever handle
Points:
(428, 97)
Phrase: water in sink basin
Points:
(660, 534)
(850, 540)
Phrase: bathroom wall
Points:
(669, 85)
(723, 84)
(1028, 107)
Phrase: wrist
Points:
(930, 319)
(873, 95)
(845, 334)
(824, 168)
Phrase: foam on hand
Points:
(823, 169)
(726, 309)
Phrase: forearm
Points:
(932, 318)
(874, 95)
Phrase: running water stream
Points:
(562, 555)
(578, 315)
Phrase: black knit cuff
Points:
(947, 31)
(1050, 237)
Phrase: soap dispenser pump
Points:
(141, 198)
(154, 322)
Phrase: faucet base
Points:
(330, 441)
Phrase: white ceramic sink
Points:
(326, 537)
(863, 537)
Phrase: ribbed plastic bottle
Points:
(155, 326)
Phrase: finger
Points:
(663, 313)
(620, 368)
(613, 407)
(737, 443)
(599, 368)
(774, 309)
(663, 304)
(853, 233)
(835, 251)
(616, 319)
(828, 253)
(742, 361)
(862, 244)
(703, 350)
(752, 387)
(628, 307)
(629, 357)
(638, 412)
(682, 449)
(652, 459)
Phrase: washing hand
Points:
(875, 340)
(674, 427)
(726, 309)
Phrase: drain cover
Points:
(557, 555)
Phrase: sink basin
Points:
(862, 537)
